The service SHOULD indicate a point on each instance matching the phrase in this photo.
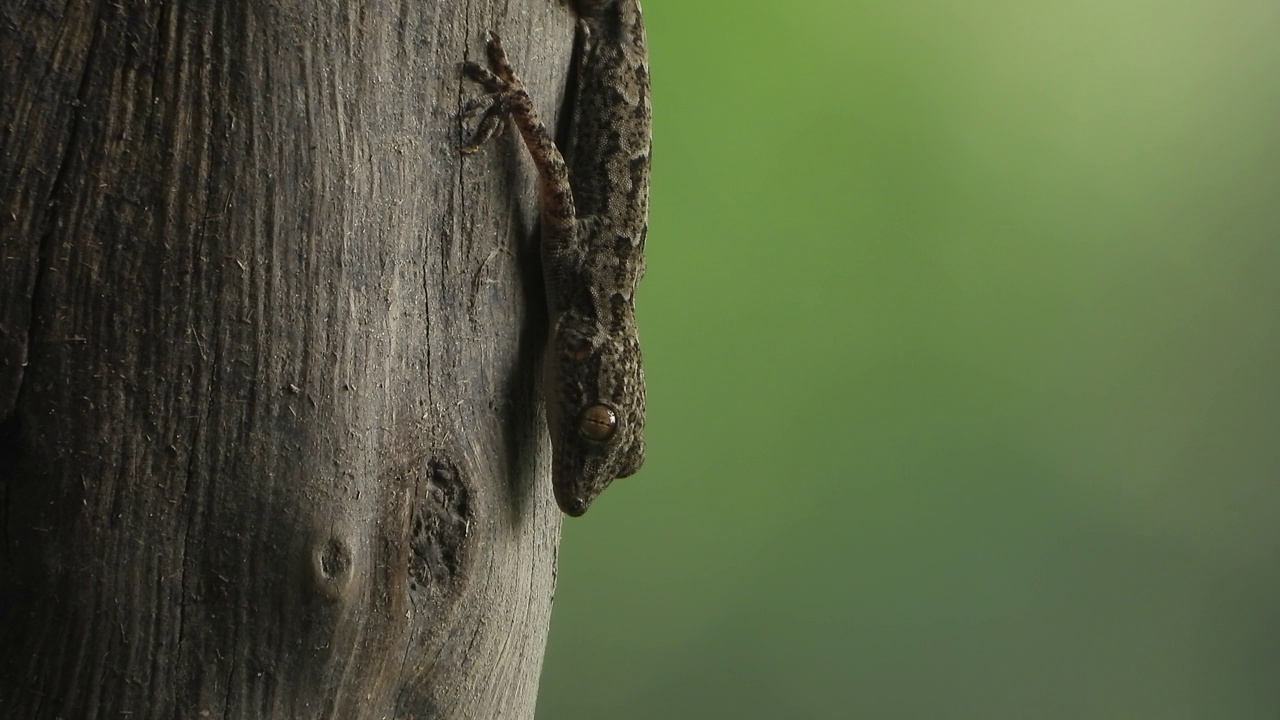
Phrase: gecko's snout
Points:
(574, 507)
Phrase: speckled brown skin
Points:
(594, 208)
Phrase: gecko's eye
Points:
(598, 423)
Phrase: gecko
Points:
(593, 213)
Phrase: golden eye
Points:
(580, 350)
(598, 423)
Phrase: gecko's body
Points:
(594, 216)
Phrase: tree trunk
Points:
(270, 441)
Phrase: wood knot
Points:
(332, 567)
(441, 524)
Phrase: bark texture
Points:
(270, 444)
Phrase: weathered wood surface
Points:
(269, 438)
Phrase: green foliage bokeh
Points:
(962, 344)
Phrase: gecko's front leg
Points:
(508, 98)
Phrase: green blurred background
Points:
(962, 343)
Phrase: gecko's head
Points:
(594, 385)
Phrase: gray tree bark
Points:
(270, 444)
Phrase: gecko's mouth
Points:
(573, 507)
(573, 498)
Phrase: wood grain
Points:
(269, 436)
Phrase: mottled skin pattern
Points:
(594, 215)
